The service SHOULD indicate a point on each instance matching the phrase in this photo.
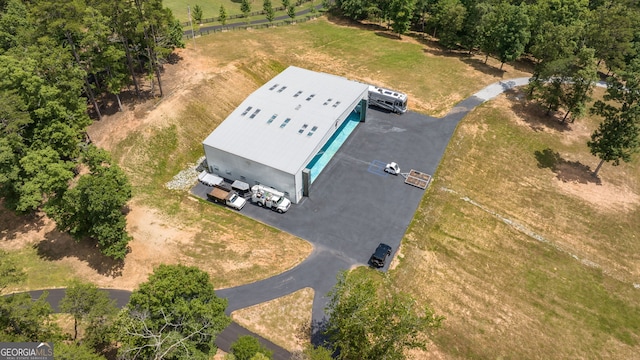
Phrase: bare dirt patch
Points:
(17, 231)
(179, 80)
(604, 196)
(155, 241)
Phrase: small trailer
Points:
(209, 179)
(391, 100)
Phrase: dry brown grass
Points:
(527, 260)
(283, 321)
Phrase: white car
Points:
(392, 168)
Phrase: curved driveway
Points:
(329, 256)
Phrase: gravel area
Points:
(185, 179)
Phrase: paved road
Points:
(239, 23)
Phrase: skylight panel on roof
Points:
(336, 104)
(328, 101)
(282, 89)
(284, 123)
(297, 94)
(246, 111)
(302, 128)
(311, 97)
(274, 86)
(273, 117)
(313, 131)
(254, 113)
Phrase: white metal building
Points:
(273, 135)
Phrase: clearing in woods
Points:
(504, 294)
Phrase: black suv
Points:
(378, 258)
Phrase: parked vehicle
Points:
(241, 187)
(380, 255)
(391, 100)
(392, 168)
(268, 197)
(229, 198)
(209, 179)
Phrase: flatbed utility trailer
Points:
(417, 179)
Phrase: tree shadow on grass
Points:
(386, 34)
(485, 68)
(58, 245)
(566, 171)
(12, 225)
(533, 114)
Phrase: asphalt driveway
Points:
(353, 204)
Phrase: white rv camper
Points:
(388, 99)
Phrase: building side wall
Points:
(233, 167)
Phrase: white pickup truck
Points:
(268, 197)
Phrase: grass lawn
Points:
(434, 80)
(41, 274)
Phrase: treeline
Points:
(60, 60)
(569, 41)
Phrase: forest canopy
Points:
(61, 64)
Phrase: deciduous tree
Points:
(505, 31)
(448, 18)
(174, 315)
(93, 208)
(89, 306)
(610, 31)
(354, 9)
(247, 346)
(400, 14)
(75, 351)
(9, 271)
(565, 82)
(23, 319)
(618, 136)
(368, 322)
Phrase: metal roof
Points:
(282, 122)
